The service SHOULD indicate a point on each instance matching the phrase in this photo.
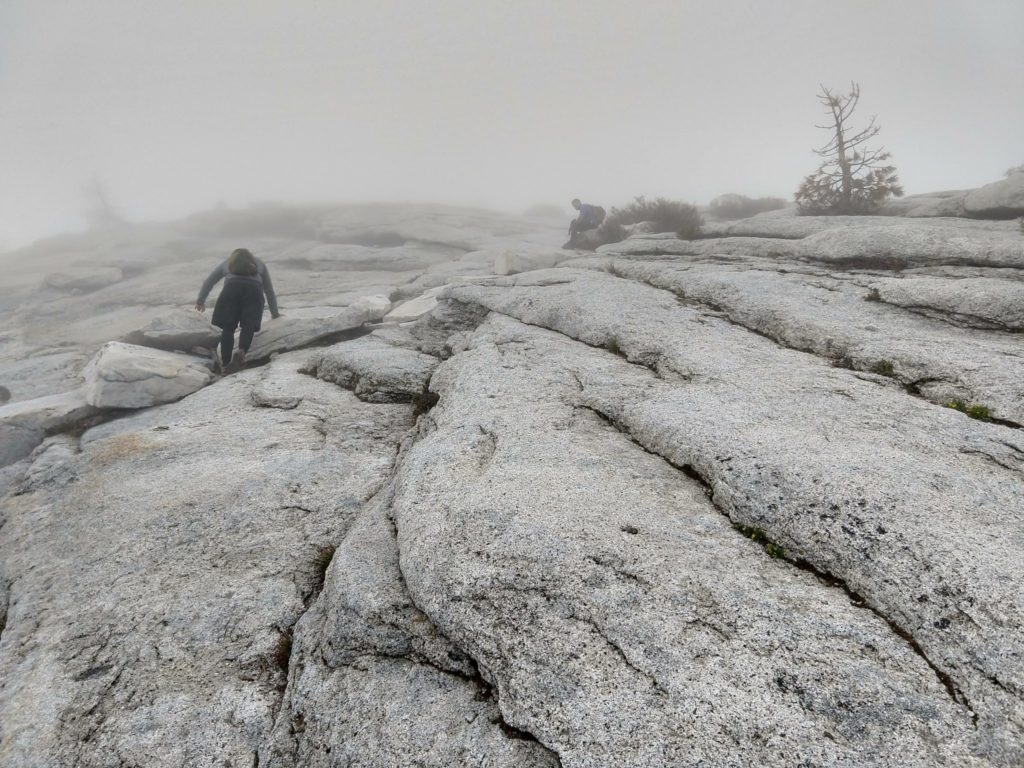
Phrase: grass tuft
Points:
(758, 536)
(973, 410)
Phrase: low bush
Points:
(674, 216)
(733, 206)
(660, 215)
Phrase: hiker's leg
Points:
(251, 316)
(227, 342)
(245, 337)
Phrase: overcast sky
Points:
(176, 105)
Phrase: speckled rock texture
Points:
(674, 503)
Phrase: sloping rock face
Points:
(674, 503)
(153, 576)
(128, 376)
(84, 279)
(1000, 200)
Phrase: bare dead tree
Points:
(852, 178)
(99, 211)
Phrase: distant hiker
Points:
(246, 281)
(591, 217)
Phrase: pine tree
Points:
(852, 179)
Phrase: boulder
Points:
(180, 330)
(414, 308)
(974, 302)
(903, 246)
(24, 424)
(288, 333)
(512, 261)
(931, 204)
(999, 200)
(129, 376)
(376, 371)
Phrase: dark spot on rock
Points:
(942, 623)
(882, 529)
(922, 598)
(510, 732)
(93, 672)
(630, 530)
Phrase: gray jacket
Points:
(262, 277)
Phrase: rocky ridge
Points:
(674, 503)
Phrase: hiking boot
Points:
(237, 361)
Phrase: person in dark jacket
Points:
(246, 283)
(591, 217)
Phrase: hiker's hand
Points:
(200, 306)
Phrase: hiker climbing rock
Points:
(590, 217)
(246, 282)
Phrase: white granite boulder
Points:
(128, 376)
(999, 200)
(414, 308)
(510, 262)
(24, 424)
(288, 333)
(179, 329)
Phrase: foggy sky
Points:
(176, 105)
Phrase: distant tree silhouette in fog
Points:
(853, 179)
(99, 211)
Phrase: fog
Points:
(178, 105)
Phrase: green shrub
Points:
(674, 216)
(682, 219)
(873, 295)
(733, 206)
(883, 368)
(974, 410)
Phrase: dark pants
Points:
(240, 304)
(578, 225)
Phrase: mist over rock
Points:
(696, 502)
